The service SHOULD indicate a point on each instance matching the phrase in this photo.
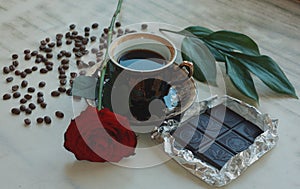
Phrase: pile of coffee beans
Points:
(65, 50)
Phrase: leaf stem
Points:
(103, 65)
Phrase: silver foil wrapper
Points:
(238, 163)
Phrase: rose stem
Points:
(106, 58)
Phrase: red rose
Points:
(100, 136)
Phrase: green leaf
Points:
(241, 78)
(192, 31)
(267, 70)
(85, 87)
(217, 54)
(232, 42)
(195, 51)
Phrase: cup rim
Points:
(159, 38)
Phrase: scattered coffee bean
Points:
(91, 63)
(47, 120)
(69, 92)
(23, 101)
(62, 89)
(71, 82)
(65, 61)
(49, 67)
(39, 120)
(15, 63)
(47, 39)
(59, 114)
(12, 68)
(9, 79)
(40, 100)
(65, 67)
(28, 96)
(6, 96)
(14, 56)
(42, 84)
(15, 88)
(118, 24)
(51, 45)
(95, 25)
(73, 74)
(62, 76)
(27, 57)
(15, 111)
(27, 122)
(49, 55)
(43, 104)
(68, 54)
(34, 53)
(86, 34)
(16, 94)
(55, 93)
(23, 74)
(26, 51)
(28, 111)
(40, 94)
(74, 33)
(43, 71)
(63, 82)
(59, 43)
(23, 108)
(38, 60)
(34, 68)
(28, 70)
(31, 89)
(69, 42)
(24, 83)
(17, 72)
(87, 29)
(106, 30)
(6, 70)
(32, 106)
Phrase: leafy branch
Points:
(241, 56)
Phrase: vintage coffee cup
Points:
(146, 84)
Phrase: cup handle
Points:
(189, 66)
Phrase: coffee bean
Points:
(49, 67)
(58, 43)
(68, 35)
(106, 30)
(85, 41)
(22, 108)
(40, 94)
(51, 45)
(27, 57)
(78, 54)
(26, 51)
(86, 34)
(24, 84)
(68, 54)
(17, 72)
(63, 82)
(47, 39)
(47, 120)
(62, 89)
(28, 111)
(48, 50)
(118, 24)
(95, 25)
(43, 70)
(55, 93)
(72, 26)
(15, 88)
(43, 104)
(27, 121)
(34, 53)
(34, 68)
(42, 84)
(69, 92)
(32, 106)
(73, 74)
(86, 29)
(71, 82)
(49, 55)
(28, 70)
(9, 79)
(15, 63)
(6, 70)
(65, 61)
(76, 49)
(69, 42)
(12, 68)
(93, 38)
(62, 76)
(23, 101)
(48, 63)
(38, 60)
(15, 111)
(65, 67)
(23, 74)
(39, 120)
(28, 96)
(31, 89)
(59, 56)
(16, 94)
(40, 100)
(14, 56)
(59, 114)
(6, 96)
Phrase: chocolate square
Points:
(190, 137)
(233, 142)
(215, 155)
(208, 125)
(225, 115)
(248, 130)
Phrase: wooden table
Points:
(34, 157)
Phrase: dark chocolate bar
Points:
(216, 135)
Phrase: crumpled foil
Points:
(238, 163)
